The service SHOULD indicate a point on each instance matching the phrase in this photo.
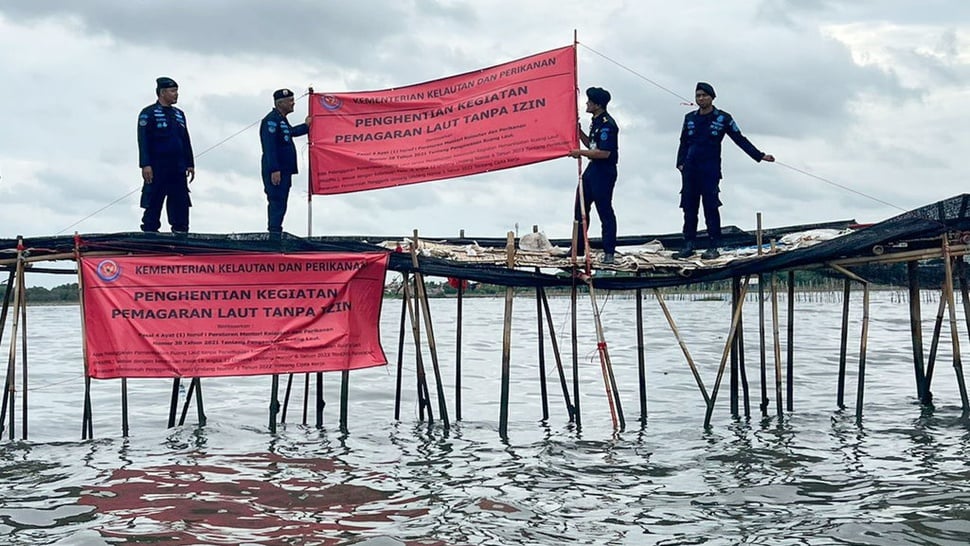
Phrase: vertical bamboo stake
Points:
(916, 327)
(776, 340)
(400, 348)
(540, 335)
(574, 318)
(274, 405)
(641, 356)
(790, 376)
(761, 325)
(286, 397)
(425, 309)
(862, 351)
(344, 400)
(736, 302)
(934, 346)
(570, 409)
(12, 358)
(87, 417)
(23, 349)
(424, 397)
(844, 347)
(954, 334)
(503, 418)
(735, 322)
(124, 407)
(461, 296)
(8, 293)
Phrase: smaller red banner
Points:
(232, 315)
(499, 117)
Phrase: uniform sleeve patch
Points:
(604, 133)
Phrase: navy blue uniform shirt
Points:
(163, 138)
(603, 135)
(276, 136)
(700, 141)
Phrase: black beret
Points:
(282, 94)
(598, 95)
(707, 88)
(165, 83)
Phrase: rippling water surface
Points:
(817, 476)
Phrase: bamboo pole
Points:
(683, 346)
(124, 407)
(458, 344)
(863, 342)
(11, 383)
(400, 348)
(790, 376)
(641, 357)
(736, 303)
(735, 322)
(761, 324)
(306, 396)
(503, 419)
(174, 402)
(574, 329)
(843, 348)
(87, 413)
(540, 336)
(8, 293)
(776, 340)
(424, 397)
(570, 410)
(954, 334)
(320, 402)
(274, 405)
(916, 327)
(425, 309)
(286, 397)
(344, 401)
(934, 346)
(739, 340)
(23, 354)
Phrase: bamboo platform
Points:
(936, 232)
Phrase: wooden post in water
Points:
(570, 409)
(425, 308)
(124, 407)
(8, 292)
(344, 401)
(503, 418)
(844, 347)
(916, 327)
(400, 349)
(87, 420)
(574, 322)
(23, 351)
(954, 334)
(761, 325)
(173, 406)
(934, 346)
(735, 323)
(863, 342)
(11, 382)
(790, 376)
(776, 340)
(461, 296)
(286, 397)
(739, 345)
(736, 302)
(641, 356)
(543, 394)
(320, 402)
(274, 404)
(424, 397)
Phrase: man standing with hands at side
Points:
(166, 160)
(699, 161)
(279, 156)
(599, 178)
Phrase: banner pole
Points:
(584, 236)
(309, 233)
(87, 427)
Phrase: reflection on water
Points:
(900, 476)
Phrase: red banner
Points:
(500, 117)
(232, 314)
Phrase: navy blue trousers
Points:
(599, 179)
(701, 187)
(276, 198)
(171, 189)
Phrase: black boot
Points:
(711, 252)
(685, 252)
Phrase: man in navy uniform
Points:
(166, 160)
(279, 156)
(699, 161)
(599, 178)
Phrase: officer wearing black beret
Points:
(166, 160)
(599, 178)
(699, 161)
(279, 156)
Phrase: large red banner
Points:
(495, 118)
(231, 315)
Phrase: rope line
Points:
(686, 101)
(836, 184)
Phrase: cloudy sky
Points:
(870, 95)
